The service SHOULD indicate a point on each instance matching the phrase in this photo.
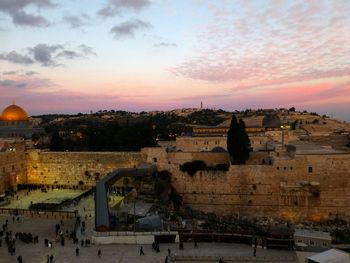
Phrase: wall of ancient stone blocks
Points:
(305, 187)
(13, 168)
(69, 168)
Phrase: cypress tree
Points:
(238, 143)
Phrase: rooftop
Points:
(331, 256)
(313, 234)
(303, 148)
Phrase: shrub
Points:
(222, 167)
(192, 167)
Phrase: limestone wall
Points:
(199, 144)
(69, 168)
(293, 187)
(12, 170)
(305, 187)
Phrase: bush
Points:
(192, 167)
(222, 167)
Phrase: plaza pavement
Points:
(45, 228)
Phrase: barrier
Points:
(39, 214)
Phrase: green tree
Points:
(238, 143)
(56, 143)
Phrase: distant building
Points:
(14, 123)
(310, 240)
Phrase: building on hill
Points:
(15, 123)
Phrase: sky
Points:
(70, 56)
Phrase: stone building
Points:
(14, 123)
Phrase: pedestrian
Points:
(254, 252)
(166, 259)
(169, 251)
(82, 242)
(141, 251)
(181, 245)
(99, 253)
(19, 259)
(220, 260)
(51, 258)
(48, 259)
(195, 244)
(77, 251)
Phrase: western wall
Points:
(74, 168)
(294, 185)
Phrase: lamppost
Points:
(284, 127)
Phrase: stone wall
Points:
(305, 187)
(13, 170)
(69, 168)
(199, 144)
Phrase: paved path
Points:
(45, 228)
(37, 253)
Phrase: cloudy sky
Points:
(72, 56)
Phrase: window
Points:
(312, 243)
(310, 169)
(324, 244)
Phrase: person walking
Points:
(254, 252)
(51, 258)
(169, 251)
(141, 251)
(77, 251)
(99, 253)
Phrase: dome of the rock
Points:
(14, 113)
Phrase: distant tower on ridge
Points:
(201, 105)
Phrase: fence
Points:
(40, 214)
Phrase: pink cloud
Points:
(305, 41)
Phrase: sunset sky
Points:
(73, 56)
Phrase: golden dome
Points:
(14, 113)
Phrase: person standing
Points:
(99, 253)
(77, 251)
(51, 258)
(169, 251)
(254, 252)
